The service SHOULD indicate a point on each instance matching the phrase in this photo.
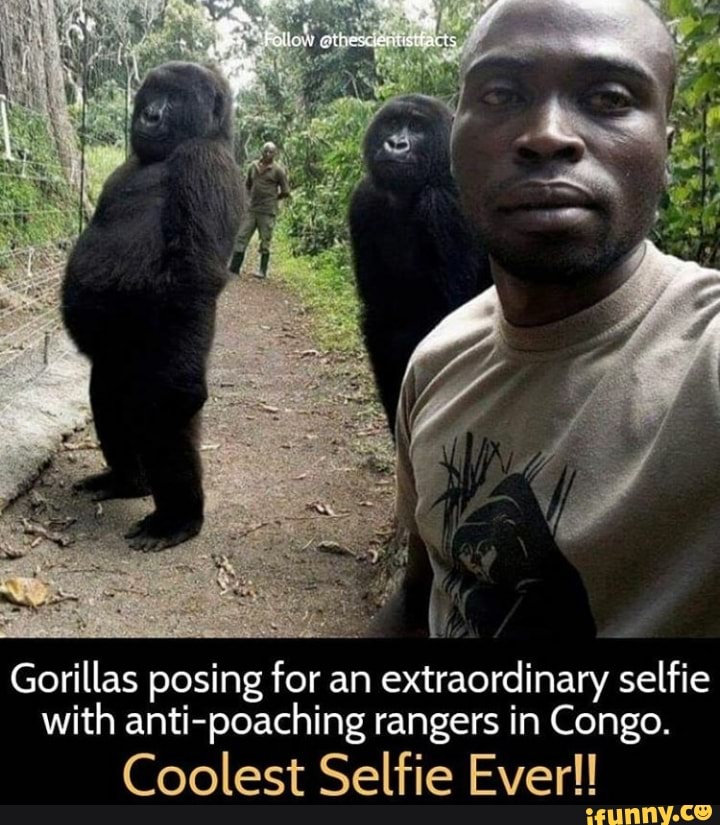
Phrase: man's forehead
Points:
(623, 29)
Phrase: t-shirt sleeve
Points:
(406, 495)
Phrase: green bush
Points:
(36, 203)
(100, 162)
(106, 115)
(328, 165)
(690, 221)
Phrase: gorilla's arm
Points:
(203, 216)
(464, 271)
(406, 612)
(371, 241)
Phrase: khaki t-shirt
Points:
(266, 183)
(566, 478)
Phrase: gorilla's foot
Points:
(109, 484)
(156, 533)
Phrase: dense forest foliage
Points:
(315, 102)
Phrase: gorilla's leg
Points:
(124, 477)
(388, 360)
(171, 459)
(388, 378)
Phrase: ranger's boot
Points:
(237, 262)
(264, 260)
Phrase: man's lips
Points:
(547, 208)
(544, 195)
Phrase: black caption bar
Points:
(342, 721)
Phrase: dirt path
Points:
(295, 456)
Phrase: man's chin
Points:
(556, 261)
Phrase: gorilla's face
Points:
(177, 101)
(406, 145)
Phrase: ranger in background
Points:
(267, 184)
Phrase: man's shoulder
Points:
(697, 284)
(658, 257)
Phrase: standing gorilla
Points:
(140, 292)
(414, 257)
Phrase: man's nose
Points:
(549, 134)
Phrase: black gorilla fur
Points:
(415, 258)
(140, 293)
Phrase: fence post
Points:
(7, 154)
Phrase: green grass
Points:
(324, 283)
(100, 161)
(37, 206)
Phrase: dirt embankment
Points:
(299, 488)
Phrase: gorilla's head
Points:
(407, 143)
(178, 101)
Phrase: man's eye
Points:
(609, 101)
(500, 97)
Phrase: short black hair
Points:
(656, 6)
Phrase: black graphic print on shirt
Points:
(509, 578)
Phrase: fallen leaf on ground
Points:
(33, 529)
(62, 522)
(319, 507)
(333, 547)
(9, 552)
(61, 596)
(24, 591)
(206, 447)
(81, 445)
(229, 581)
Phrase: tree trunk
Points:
(31, 72)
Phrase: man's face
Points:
(560, 137)
(268, 154)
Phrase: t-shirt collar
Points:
(626, 303)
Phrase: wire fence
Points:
(41, 215)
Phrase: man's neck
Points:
(527, 304)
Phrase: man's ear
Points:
(669, 137)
